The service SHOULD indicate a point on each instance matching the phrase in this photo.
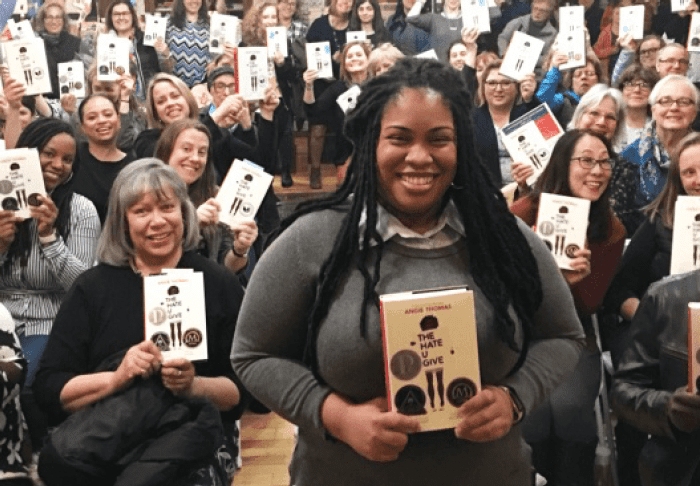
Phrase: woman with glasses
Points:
(650, 388)
(51, 24)
(562, 431)
(187, 38)
(674, 105)
(645, 53)
(562, 90)
(121, 18)
(636, 84)
(499, 107)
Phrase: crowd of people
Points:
(427, 196)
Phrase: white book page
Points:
(632, 21)
(318, 57)
(475, 15)
(276, 41)
(26, 62)
(562, 222)
(71, 78)
(521, 56)
(242, 192)
(572, 36)
(21, 181)
(155, 29)
(112, 57)
(348, 100)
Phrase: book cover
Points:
(632, 21)
(431, 354)
(679, 5)
(521, 56)
(253, 72)
(242, 192)
(175, 317)
(26, 63)
(694, 33)
(71, 78)
(572, 36)
(318, 57)
(531, 138)
(355, 36)
(276, 41)
(112, 57)
(21, 8)
(685, 244)
(694, 347)
(562, 222)
(348, 100)
(21, 181)
(154, 30)
(223, 29)
(475, 15)
(20, 30)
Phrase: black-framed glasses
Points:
(667, 102)
(221, 87)
(649, 51)
(636, 84)
(589, 163)
(491, 83)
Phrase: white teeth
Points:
(422, 180)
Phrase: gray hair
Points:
(654, 95)
(145, 175)
(595, 97)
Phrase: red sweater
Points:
(605, 257)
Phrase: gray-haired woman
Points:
(97, 353)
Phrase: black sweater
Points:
(102, 315)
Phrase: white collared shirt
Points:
(448, 230)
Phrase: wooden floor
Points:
(266, 446)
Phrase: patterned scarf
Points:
(653, 168)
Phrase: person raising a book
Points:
(185, 145)
(424, 213)
(562, 431)
(99, 377)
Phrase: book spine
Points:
(236, 76)
(385, 345)
(692, 330)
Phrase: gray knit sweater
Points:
(271, 333)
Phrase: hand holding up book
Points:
(580, 267)
(371, 431)
(487, 416)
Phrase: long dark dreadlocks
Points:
(36, 135)
(501, 261)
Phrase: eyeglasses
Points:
(589, 163)
(587, 74)
(221, 87)
(682, 62)
(649, 52)
(667, 102)
(636, 84)
(503, 84)
(53, 17)
(607, 117)
(121, 14)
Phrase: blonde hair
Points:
(152, 114)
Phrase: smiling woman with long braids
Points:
(42, 256)
(417, 210)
